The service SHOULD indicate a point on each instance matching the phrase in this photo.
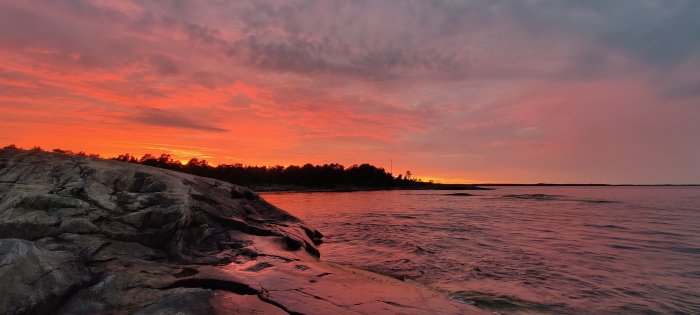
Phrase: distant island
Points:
(309, 177)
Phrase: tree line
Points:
(309, 175)
(317, 176)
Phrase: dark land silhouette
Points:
(308, 177)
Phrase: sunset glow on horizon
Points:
(454, 91)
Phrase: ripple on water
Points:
(504, 303)
(536, 250)
(606, 226)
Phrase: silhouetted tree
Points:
(61, 151)
(126, 158)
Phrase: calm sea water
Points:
(522, 249)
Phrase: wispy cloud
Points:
(159, 117)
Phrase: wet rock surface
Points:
(87, 236)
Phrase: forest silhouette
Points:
(332, 176)
(308, 175)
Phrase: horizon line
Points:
(574, 184)
(70, 152)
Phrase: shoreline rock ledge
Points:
(80, 235)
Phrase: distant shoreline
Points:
(435, 186)
(597, 185)
(424, 186)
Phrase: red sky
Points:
(458, 91)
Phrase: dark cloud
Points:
(680, 88)
(354, 39)
(450, 40)
(61, 27)
(159, 117)
(21, 27)
(465, 39)
(209, 80)
(202, 33)
(660, 33)
(240, 100)
(332, 57)
(164, 65)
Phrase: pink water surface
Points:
(566, 250)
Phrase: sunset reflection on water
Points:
(621, 249)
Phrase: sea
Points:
(524, 249)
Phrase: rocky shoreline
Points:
(80, 235)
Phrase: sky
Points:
(529, 91)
